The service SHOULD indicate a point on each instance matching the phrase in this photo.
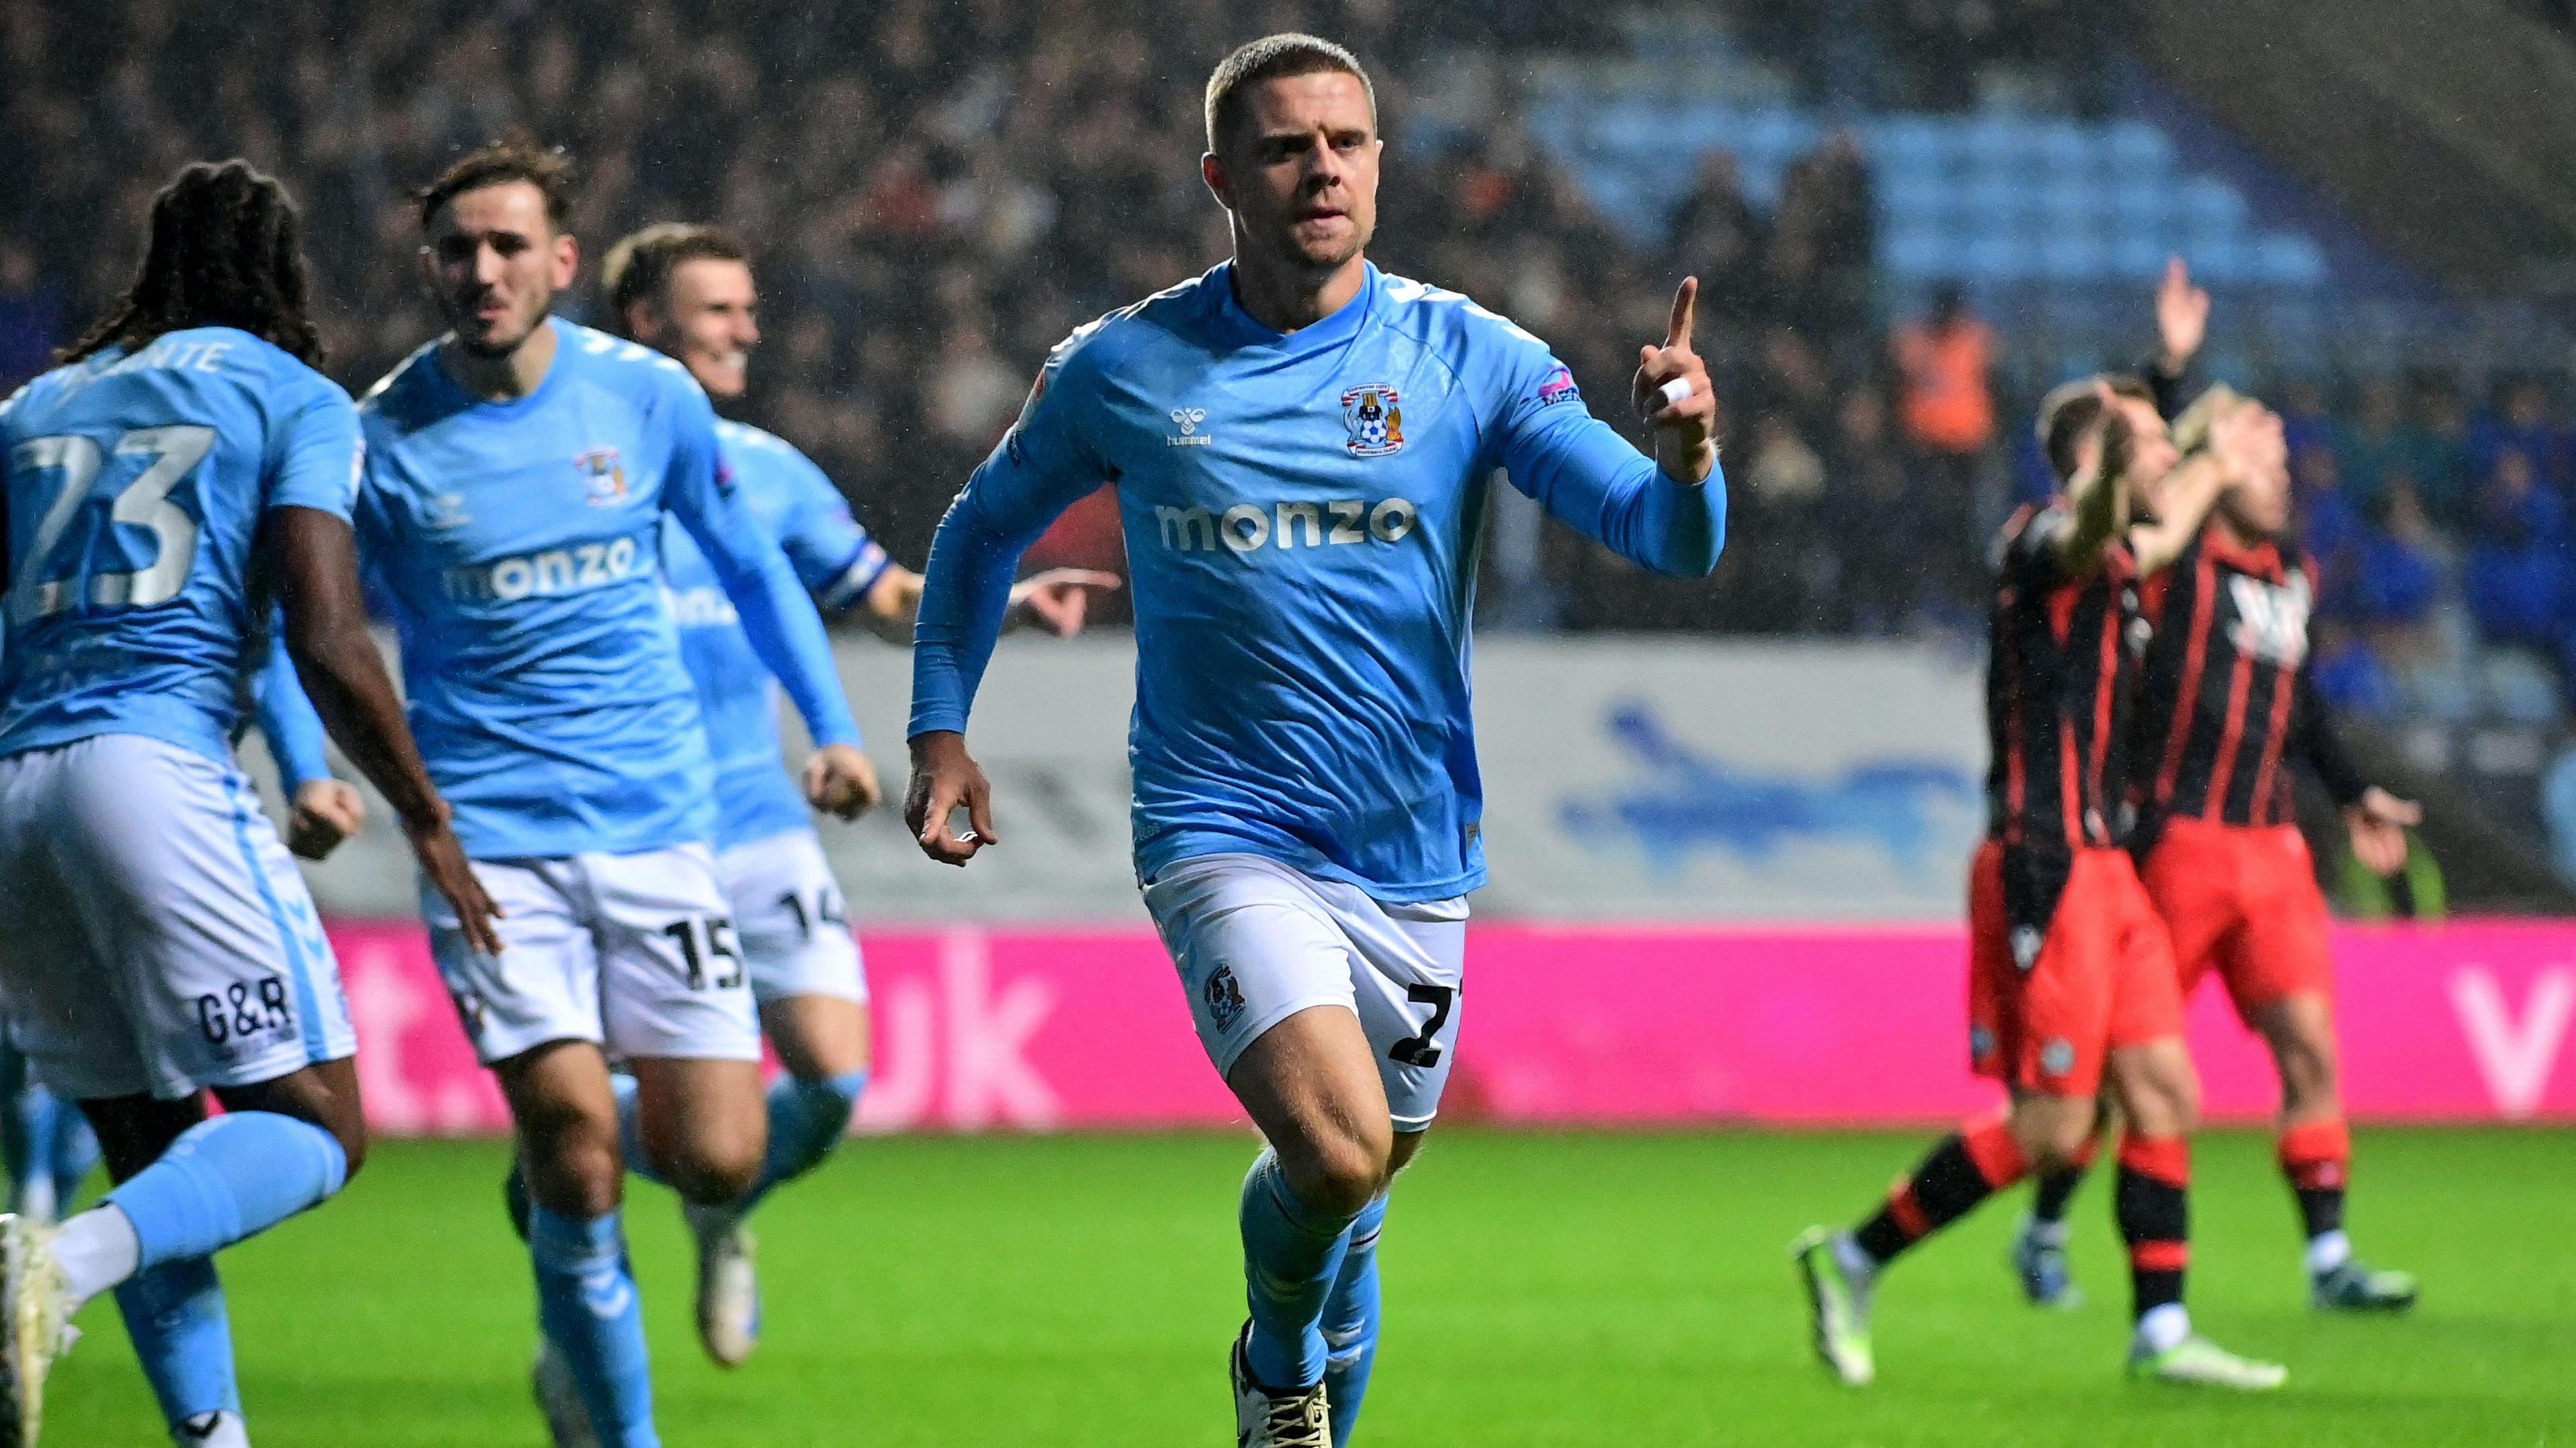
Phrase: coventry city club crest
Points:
(603, 478)
(1375, 422)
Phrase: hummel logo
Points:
(1188, 419)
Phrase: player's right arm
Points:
(1041, 467)
(306, 528)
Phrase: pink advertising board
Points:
(1036, 1029)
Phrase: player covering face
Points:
(178, 487)
(1300, 446)
(520, 471)
(2072, 987)
(688, 292)
(2228, 706)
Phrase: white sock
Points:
(212, 1430)
(97, 1250)
(2046, 1234)
(36, 1199)
(2163, 1327)
(2327, 1251)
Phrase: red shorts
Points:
(2245, 901)
(2048, 1001)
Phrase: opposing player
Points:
(687, 291)
(2229, 704)
(185, 467)
(2071, 983)
(519, 471)
(1301, 446)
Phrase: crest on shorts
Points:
(603, 478)
(1376, 424)
(1224, 998)
(2026, 941)
(2057, 1057)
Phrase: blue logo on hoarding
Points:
(1688, 800)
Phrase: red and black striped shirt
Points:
(2228, 701)
(2059, 682)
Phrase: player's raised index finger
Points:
(1685, 308)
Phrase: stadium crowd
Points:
(938, 191)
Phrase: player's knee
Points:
(2307, 1062)
(713, 1171)
(352, 1136)
(1341, 1173)
(2055, 1143)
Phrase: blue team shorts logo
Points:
(1559, 387)
(1224, 998)
(603, 479)
(1376, 424)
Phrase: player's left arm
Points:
(2375, 819)
(1667, 512)
(778, 616)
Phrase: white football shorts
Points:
(635, 953)
(155, 936)
(1257, 942)
(787, 909)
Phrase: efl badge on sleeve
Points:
(602, 478)
(1376, 424)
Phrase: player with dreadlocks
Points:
(183, 479)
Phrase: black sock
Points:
(1962, 1171)
(2154, 1211)
(2048, 1203)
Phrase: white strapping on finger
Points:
(1674, 393)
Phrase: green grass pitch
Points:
(1541, 1289)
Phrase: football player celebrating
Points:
(520, 470)
(179, 487)
(2071, 980)
(2229, 705)
(1301, 445)
(687, 291)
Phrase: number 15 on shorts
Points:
(707, 948)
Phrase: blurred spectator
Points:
(1947, 407)
(1867, 501)
(2388, 575)
(2375, 440)
(31, 318)
(2517, 575)
(1716, 235)
(2442, 470)
(2521, 423)
(2350, 676)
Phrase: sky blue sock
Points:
(26, 1133)
(806, 1120)
(72, 1155)
(1291, 1256)
(588, 1307)
(630, 1128)
(1350, 1322)
(226, 1179)
(175, 1315)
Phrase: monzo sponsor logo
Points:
(1246, 527)
(551, 573)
